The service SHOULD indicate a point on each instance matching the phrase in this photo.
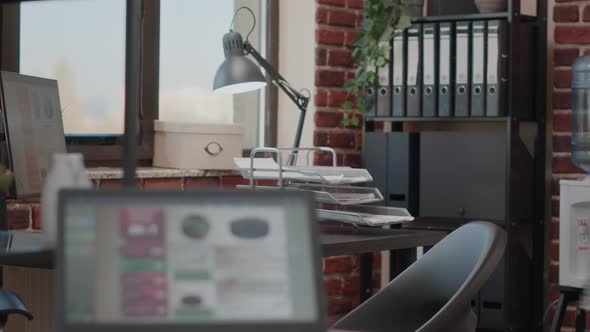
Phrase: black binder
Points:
(445, 70)
(497, 68)
(370, 101)
(399, 73)
(429, 72)
(462, 69)
(414, 79)
(478, 66)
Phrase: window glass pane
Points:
(191, 50)
(80, 43)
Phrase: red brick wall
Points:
(26, 214)
(336, 25)
(570, 31)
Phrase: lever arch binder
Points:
(478, 69)
(445, 68)
(429, 90)
(371, 101)
(463, 48)
(399, 73)
(383, 87)
(497, 58)
(371, 97)
(414, 80)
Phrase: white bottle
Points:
(67, 171)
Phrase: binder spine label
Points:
(383, 73)
(462, 65)
(399, 73)
(478, 54)
(496, 69)
(429, 66)
(462, 55)
(398, 59)
(493, 54)
(445, 70)
(413, 57)
(445, 52)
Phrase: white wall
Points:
(297, 65)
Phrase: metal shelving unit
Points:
(525, 188)
(436, 119)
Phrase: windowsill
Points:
(103, 173)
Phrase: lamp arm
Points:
(297, 97)
(301, 100)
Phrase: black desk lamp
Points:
(239, 74)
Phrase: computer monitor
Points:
(31, 129)
(188, 261)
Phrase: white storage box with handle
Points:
(197, 146)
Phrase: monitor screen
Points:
(34, 128)
(135, 259)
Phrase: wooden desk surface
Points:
(335, 239)
(342, 239)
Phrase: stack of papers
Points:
(327, 190)
(380, 216)
(268, 169)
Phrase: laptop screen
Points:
(132, 257)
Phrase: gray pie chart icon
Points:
(195, 227)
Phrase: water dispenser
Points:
(574, 208)
(581, 113)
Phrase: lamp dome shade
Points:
(237, 73)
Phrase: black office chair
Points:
(10, 303)
(435, 293)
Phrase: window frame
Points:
(108, 151)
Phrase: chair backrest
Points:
(434, 294)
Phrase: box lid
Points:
(199, 128)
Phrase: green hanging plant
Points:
(371, 49)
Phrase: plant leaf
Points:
(347, 105)
(386, 35)
(404, 22)
(354, 121)
(370, 52)
(362, 103)
(346, 121)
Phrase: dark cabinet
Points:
(392, 160)
(375, 160)
(462, 175)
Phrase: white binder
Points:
(478, 72)
(462, 69)
(383, 85)
(445, 87)
(399, 73)
(429, 91)
(414, 98)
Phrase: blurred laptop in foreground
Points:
(182, 261)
